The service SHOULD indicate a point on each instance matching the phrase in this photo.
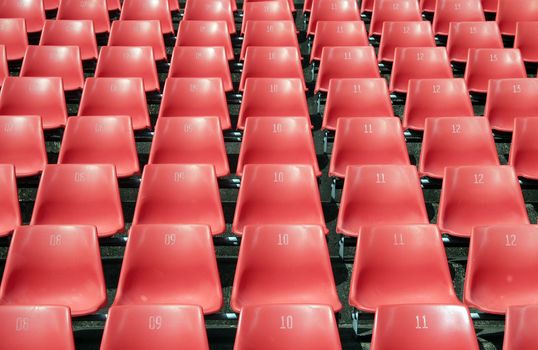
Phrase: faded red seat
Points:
(331, 10)
(502, 267)
(210, 10)
(149, 10)
(205, 33)
(269, 33)
(337, 33)
(10, 216)
(367, 141)
(94, 10)
(32, 11)
(490, 5)
(71, 33)
(427, 5)
(290, 3)
(475, 196)
(283, 264)
(404, 34)
(450, 11)
(524, 148)
(367, 6)
(173, 5)
(520, 327)
(76, 194)
(36, 271)
(393, 11)
(510, 12)
(525, 40)
(170, 264)
(201, 142)
(113, 5)
(463, 36)
(14, 37)
(139, 33)
(266, 11)
(50, 4)
(4, 69)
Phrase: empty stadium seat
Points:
(367, 141)
(94, 10)
(269, 33)
(205, 33)
(286, 95)
(173, 5)
(210, 10)
(380, 194)
(435, 98)
(423, 327)
(426, 5)
(525, 40)
(346, 62)
(71, 33)
(404, 34)
(331, 10)
(149, 10)
(32, 11)
(10, 216)
(23, 144)
(100, 140)
(128, 62)
(277, 140)
(170, 264)
(367, 6)
(501, 268)
(51, 4)
(456, 141)
(278, 194)
(361, 97)
(4, 69)
(450, 11)
(490, 5)
(393, 11)
(75, 194)
(36, 327)
(520, 327)
(266, 11)
(190, 140)
(510, 12)
(484, 65)
(113, 5)
(13, 36)
(389, 268)
(55, 265)
(35, 96)
(475, 196)
(201, 62)
(195, 97)
(283, 264)
(287, 327)
(271, 62)
(166, 327)
(418, 63)
(55, 61)
(180, 194)
(524, 148)
(116, 96)
(337, 33)
(463, 36)
(290, 3)
(139, 33)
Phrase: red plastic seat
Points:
(510, 12)
(10, 216)
(173, 5)
(361, 97)
(286, 95)
(525, 40)
(290, 3)
(277, 140)
(271, 62)
(463, 36)
(32, 11)
(51, 4)
(55, 265)
(490, 5)
(332, 10)
(278, 194)
(404, 34)
(114, 5)
(502, 268)
(283, 264)
(475, 196)
(180, 194)
(520, 327)
(165, 327)
(4, 69)
(170, 264)
(210, 10)
(449, 11)
(23, 144)
(71, 33)
(266, 11)
(75, 194)
(435, 98)
(423, 327)
(139, 33)
(269, 33)
(195, 97)
(337, 33)
(94, 10)
(13, 36)
(393, 11)
(147, 11)
(201, 142)
(205, 33)
(524, 148)
(484, 65)
(36, 327)
(418, 63)
(35, 96)
(201, 62)
(509, 99)
(378, 280)
(367, 6)
(100, 140)
(380, 194)
(456, 141)
(426, 5)
(367, 141)
(55, 61)
(287, 327)
(346, 62)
